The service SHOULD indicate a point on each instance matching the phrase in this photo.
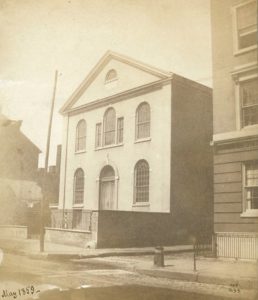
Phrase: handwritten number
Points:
(32, 289)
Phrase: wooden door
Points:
(107, 194)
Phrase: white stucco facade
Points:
(135, 84)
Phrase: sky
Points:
(41, 36)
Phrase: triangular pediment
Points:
(113, 74)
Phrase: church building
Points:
(136, 166)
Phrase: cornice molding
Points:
(141, 90)
(244, 70)
(235, 140)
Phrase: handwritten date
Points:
(26, 291)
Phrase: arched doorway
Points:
(107, 189)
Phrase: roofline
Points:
(106, 58)
(139, 64)
(35, 146)
(193, 83)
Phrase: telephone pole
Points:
(44, 200)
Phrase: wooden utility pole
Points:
(44, 201)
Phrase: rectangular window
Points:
(109, 125)
(251, 185)
(120, 130)
(246, 25)
(98, 135)
(249, 102)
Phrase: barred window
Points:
(143, 121)
(141, 182)
(78, 186)
(80, 143)
(109, 126)
(98, 135)
(246, 22)
(251, 185)
(120, 130)
(249, 102)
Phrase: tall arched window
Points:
(109, 126)
(143, 121)
(80, 142)
(78, 186)
(141, 181)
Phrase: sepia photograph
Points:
(128, 150)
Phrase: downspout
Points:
(171, 149)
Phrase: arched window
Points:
(109, 127)
(143, 121)
(80, 143)
(141, 181)
(111, 76)
(78, 186)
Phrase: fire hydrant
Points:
(159, 257)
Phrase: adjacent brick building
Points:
(235, 115)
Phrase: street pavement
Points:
(93, 279)
(72, 268)
(242, 274)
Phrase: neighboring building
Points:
(235, 115)
(18, 170)
(136, 163)
(50, 182)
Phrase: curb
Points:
(249, 283)
(60, 256)
(67, 256)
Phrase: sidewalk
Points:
(31, 248)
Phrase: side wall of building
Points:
(136, 229)
(192, 156)
(18, 155)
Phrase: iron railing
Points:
(71, 219)
(237, 245)
(204, 245)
